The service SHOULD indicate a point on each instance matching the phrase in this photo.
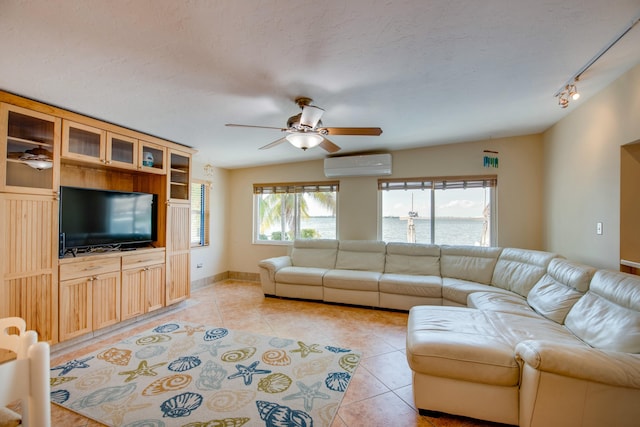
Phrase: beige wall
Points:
(582, 173)
(214, 258)
(552, 188)
(519, 196)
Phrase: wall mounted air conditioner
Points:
(364, 165)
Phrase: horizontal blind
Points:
(300, 187)
(440, 183)
(200, 213)
(197, 193)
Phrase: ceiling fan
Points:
(305, 129)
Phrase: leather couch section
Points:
(507, 335)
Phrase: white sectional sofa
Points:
(508, 335)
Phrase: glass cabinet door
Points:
(152, 158)
(83, 142)
(179, 176)
(122, 151)
(28, 140)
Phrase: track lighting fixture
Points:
(569, 92)
(563, 100)
(573, 92)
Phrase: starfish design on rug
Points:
(143, 370)
(247, 372)
(73, 364)
(308, 393)
(306, 350)
(190, 330)
(116, 412)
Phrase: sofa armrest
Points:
(581, 362)
(274, 264)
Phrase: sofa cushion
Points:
(352, 279)
(473, 345)
(504, 303)
(560, 288)
(409, 284)
(519, 269)
(472, 263)
(365, 255)
(319, 253)
(412, 258)
(608, 315)
(456, 291)
(301, 275)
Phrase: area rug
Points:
(181, 374)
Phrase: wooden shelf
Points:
(29, 141)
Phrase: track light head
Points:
(563, 101)
(573, 92)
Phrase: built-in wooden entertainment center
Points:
(45, 147)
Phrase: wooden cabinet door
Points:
(106, 300)
(76, 307)
(178, 252)
(152, 158)
(29, 151)
(122, 151)
(132, 294)
(30, 297)
(28, 261)
(179, 176)
(83, 142)
(155, 287)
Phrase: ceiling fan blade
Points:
(353, 131)
(329, 146)
(311, 115)
(274, 143)
(252, 126)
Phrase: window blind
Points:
(305, 187)
(440, 183)
(199, 214)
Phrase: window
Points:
(454, 211)
(283, 212)
(199, 213)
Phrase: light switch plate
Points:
(598, 228)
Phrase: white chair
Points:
(27, 377)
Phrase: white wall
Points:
(582, 173)
(519, 195)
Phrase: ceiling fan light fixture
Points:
(304, 140)
(311, 115)
(37, 158)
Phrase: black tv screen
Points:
(92, 218)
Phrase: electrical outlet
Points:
(598, 228)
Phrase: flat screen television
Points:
(91, 218)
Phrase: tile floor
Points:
(380, 393)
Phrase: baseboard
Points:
(233, 275)
(250, 277)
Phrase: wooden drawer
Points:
(145, 259)
(90, 267)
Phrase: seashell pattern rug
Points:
(181, 374)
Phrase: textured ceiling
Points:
(427, 72)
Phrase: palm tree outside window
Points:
(284, 212)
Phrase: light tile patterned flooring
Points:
(380, 393)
